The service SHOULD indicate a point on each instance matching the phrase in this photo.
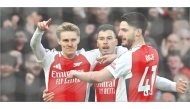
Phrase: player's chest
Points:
(77, 63)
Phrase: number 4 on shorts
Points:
(147, 87)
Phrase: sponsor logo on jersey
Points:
(77, 64)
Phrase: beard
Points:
(130, 42)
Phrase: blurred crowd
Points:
(22, 78)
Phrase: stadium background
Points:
(22, 78)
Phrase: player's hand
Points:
(47, 97)
(107, 59)
(70, 75)
(181, 86)
(43, 25)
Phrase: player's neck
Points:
(138, 42)
(70, 56)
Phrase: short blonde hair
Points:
(67, 26)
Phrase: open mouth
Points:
(173, 68)
(105, 48)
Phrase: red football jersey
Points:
(105, 92)
(72, 90)
(137, 70)
(56, 68)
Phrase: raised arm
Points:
(35, 42)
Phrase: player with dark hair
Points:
(136, 68)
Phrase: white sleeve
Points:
(37, 47)
(91, 57)
(121, 66)
(121, 50)
(165, 84)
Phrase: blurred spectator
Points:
(184, 35)
(167, 97)
(34, 83)
(80, 15)
(93, 40)
(175, 66)
(19, 59)
(179, 13)
(17, 21)
(55, 12)
(7, 34)
(157, 25)
(101, 16)
(168, 44)
(179, 24)
(21, 42)
(68, 15)
(8, 79)
(172, 42)
(31, 21)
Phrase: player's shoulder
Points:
(152, 48)
(90, 52)
(82, 50)
(125, 54)
(120, 50)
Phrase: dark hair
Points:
(105, 27)
(27, 56)
(136, 20)
(174, 53)
(7, 59)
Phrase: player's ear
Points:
(78, 39)
(138, 32)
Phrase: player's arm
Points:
(117, 68)
(167, 85)
(35, 42)
(108, 59)
(92, 77)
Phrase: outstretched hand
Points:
(107, 59)
(181, 86)
(71, 75)
(43, 26)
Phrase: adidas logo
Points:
(58, 66)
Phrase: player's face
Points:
(106, 42)
(69, 41)
(127, 34)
